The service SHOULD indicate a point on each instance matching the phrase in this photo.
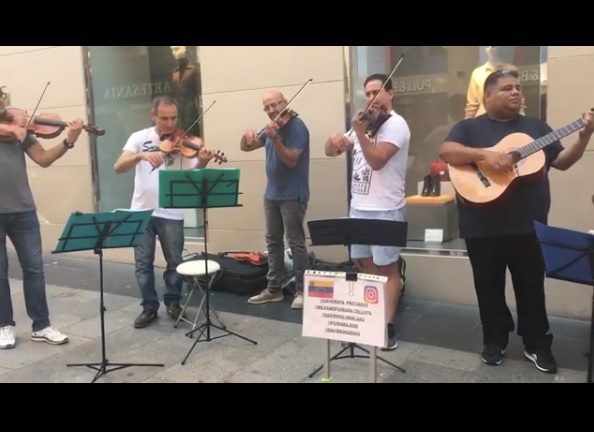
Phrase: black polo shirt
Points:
(528, 201)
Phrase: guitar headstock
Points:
(220, 158)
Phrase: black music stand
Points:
(98, 231)
(350, 231)
(202, 189)
(569, 257)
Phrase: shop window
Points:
(122, 82)
(434, 90)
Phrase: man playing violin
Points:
(377, 185)
(287, 194)
(503, 236)
(19, 222)
(142, 152)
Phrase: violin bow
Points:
(286, 108)
(32, 116)
(200, 117)
(381, 88)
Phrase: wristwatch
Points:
(67, 144)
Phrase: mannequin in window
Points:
(185, 82)
(474, 104)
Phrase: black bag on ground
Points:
(237, 277)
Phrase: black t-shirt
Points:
(528, 201)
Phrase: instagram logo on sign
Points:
(370, 295)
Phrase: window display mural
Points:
(123, 80)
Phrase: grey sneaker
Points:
(297, 301)
(266, 297)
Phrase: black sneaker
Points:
(392, 341)
(493, 355)
(174, 311)
(145, 318)
(543, 360)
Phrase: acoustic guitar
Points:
(479, 184)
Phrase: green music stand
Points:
(202, 189)
(98, 231)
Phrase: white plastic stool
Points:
(193, 271)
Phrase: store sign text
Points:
(529, 75)
(136, 90)
(413, 86)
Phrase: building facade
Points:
(112, 88)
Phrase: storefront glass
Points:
(122, 81)
(436, 86)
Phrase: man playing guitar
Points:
(503, 236)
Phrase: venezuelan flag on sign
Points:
(321, 289)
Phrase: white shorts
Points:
(382, 255)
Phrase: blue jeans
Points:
(24, 232)
(171, 237)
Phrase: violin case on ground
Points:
(237, 276)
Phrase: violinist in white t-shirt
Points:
(377, 185)
(142, 153)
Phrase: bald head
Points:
(274, 102)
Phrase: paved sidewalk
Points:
(281, 356)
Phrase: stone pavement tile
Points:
(126, 346)
(269, 334)
(55, 292)
(211, 362)
(340, 375)
(510, 372)
(421, 372)
(158, 380)
(442, 357)
(292, 361)
(91, 328)
(566, 376)
(243, 377)
(33, 354)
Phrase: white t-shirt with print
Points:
(382, 190)
(146, 181)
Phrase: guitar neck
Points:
(550, 138)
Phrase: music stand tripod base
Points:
(202, 189)
(97, 232)
(348, 232)
(351, 348)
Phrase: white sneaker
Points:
(49, 335)
(298, 301)
(7, 339)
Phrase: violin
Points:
(254, 258)
(287, 114)
(374, 120)
(43, 125)
(282, 119)
(187, 146)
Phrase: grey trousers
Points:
(285, 218)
